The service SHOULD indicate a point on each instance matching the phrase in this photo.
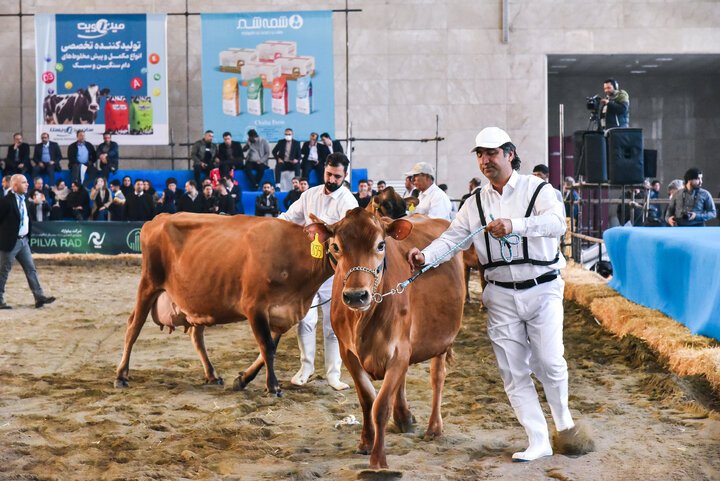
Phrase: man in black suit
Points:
(17, 160)
(139, 205)
(230, 155)
(287, 155)
(82, 153)
(47, 157)
(191, 200)
(15, 241)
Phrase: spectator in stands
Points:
(234, 191)
(211, 201)
(17, 160)
(266, 204)
(148, 189)
(410, 190)
(138, 206)
(304, 184)
(473, 186)
(655, 211)
(346, 184)
(258, 153)
(433, 202)
(59, 194)
(363, 195)
(78, 201)
(117, 205)
(191, 200)
(167, 203)
(633, 207)
(691, 206)
(47, 157)
(82, 159)
(225, 202)
(326, 147)
(310, 158)
(287, 157)
(230, 155)
(541, 171)
(203, 153)
(370, 187)
(294, 194)
(6, 185)
(39, 201)
(102, 200)
(381, 185)
(674, 186)
(127, 186)
(571, 196)
(108, 156)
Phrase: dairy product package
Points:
(294, 67)
(231, 97)
(267, 71)
(116, 115)
(141, 115)
(270, 50)
(280, 96)
(304, 96)
(255, 99)
(234, 59)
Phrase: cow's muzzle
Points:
(357, 299)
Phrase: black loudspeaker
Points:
(625, 156)
(650, 159)
(590, 156)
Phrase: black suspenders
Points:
(524, 241)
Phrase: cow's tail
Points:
(449, 355)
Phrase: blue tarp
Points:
(675, 270)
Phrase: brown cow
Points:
(200, 270)
(380, 341)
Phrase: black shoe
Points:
(5, 306)
(44, 300)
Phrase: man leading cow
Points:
(329, 201)
(525, 291)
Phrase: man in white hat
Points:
(433, 201)
(524, 293)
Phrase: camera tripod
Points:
(594, 121)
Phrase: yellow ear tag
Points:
(316, 248)
(411, 208)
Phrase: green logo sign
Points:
(133, 240)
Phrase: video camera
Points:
(593, 103)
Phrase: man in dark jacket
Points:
(191, 200)
(138, 205)
(230, 155)
(615, 111)
(47, 157)
(203, 153)
(287, 155)
(266, 204)
(17, 160)
(108, 154)
(82, 153)
(15, 224)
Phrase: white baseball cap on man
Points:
(491, 138)
(421, 168)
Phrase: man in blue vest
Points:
(524, 294)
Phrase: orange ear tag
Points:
(316, 248)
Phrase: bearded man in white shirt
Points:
(524, 295)
(329, 202)
(433, 201)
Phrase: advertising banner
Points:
(102, 72)
(268, 71)
(110, 238)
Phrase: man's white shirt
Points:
(329, 208)
(434, 203)
(542, 228)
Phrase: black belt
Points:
(550, 276)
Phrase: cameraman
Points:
(690, 206)
(615, 110)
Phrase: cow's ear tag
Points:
(316, 248)
(411, 208)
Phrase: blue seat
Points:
(357, 175)
(248, 201)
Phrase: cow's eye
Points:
(381, 246)
(335, 247)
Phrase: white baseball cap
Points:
(421, 168)
(491, 138)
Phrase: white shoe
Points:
(532, 418)
(301, 377)
(306, 344)
(337, 384)
(532, 453)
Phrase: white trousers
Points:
(525, 328)
(306, 332)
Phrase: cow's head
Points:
(387, 203)
(357, 243)
(92, 95)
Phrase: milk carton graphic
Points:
(304, 96)
(234, 59)
(255, 99)
(231, 97)
(271, 50)
(280, 96)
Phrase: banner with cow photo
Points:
(102, 72)
(268, 71)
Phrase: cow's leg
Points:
(145, 299)
(402, 417)
(437, 374)
(197, 334)
(263, 337)
(249, 374)
(366, 395)
(395, 373)
(468, 269)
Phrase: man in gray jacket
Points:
(203, 153)
(256, 161)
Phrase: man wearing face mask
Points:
(287, 156)
(329, 202)
(690, 206)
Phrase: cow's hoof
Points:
(363, 450)
(121, 383)
(217, 381)
(277, 393)
(239, 383)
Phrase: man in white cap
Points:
(524, 293)
(433, 201)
